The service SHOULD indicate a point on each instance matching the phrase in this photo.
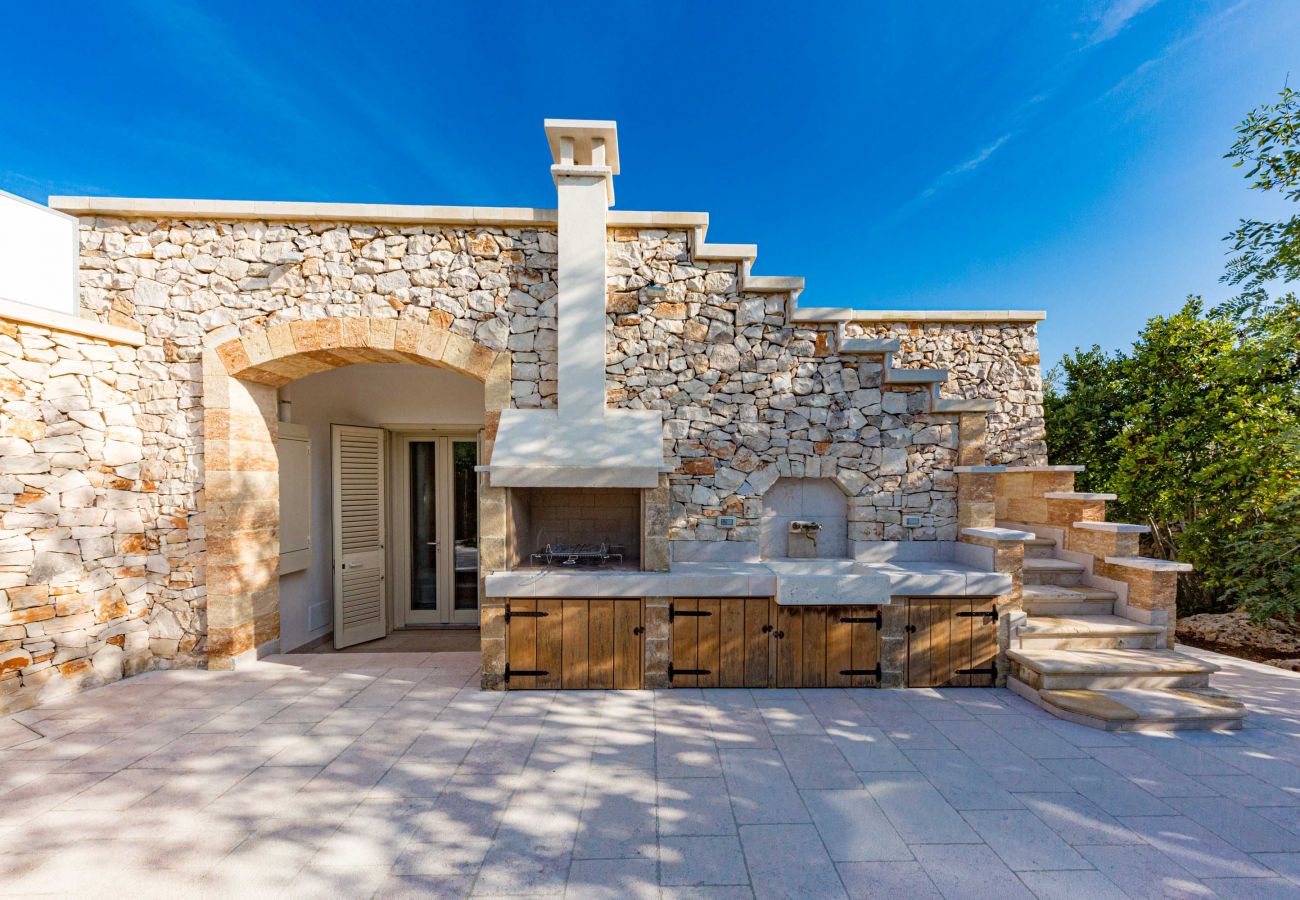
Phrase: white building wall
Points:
(371, 395)
(38, 255)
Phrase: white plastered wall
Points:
(38, 255)
(372, 395)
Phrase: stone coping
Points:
(56, 321)
(1078, 495)
(1001, 470)
(851, 314)
(1113, 527)
(390, 213)
(1147, 564)
(722, 579)
(999, 534)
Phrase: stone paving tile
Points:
(1240, 826)
(1105, 787)
(1077, 819)
(1284, 864)
(787, 861)
(871, 880)
(694, 806)
(966, 872)
(698, 861)
(395, 777)
(853, 827)
(867, 749)
(1023, 841)
(962, 781)
(814, 761)
(916, 810)
(1143, 871)
(612, 879)
(760, 788)
(1194, 847)
(1252, 888)
(1072, 885)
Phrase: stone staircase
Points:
(1077, 659)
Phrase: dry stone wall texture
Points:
(101, 488)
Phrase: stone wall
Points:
(747, 398)
(82, 555)
(985, 361)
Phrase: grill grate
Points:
(578, 555)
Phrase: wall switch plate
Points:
(726, 521)
(912, 521)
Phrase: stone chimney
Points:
(581, 443)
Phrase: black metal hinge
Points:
(864, 620)
(524, 673)
(991, 671)
(524, 614)
(674, 672)
(872, 672)
(674, 612)
(990, 614)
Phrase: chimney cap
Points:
(583, 131)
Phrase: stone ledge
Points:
(1113, 527)
(57, 321)
(849, 314)
(1147, 564)
(1078, 495)
(1001, 535)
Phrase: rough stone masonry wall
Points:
(746, 397)
(78, 568)
(988, 361)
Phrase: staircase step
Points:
(1052, 571)
(1059, 600)
(1040, 548)
(1137, 710)
(1089, 632)
(915, 376)
(868, 345)
(1106, 669)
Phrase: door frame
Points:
(399, 506)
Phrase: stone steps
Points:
(1089, 632)
(1052, 571)
(1046, 670)
(1059, 600)
(1040, 548)
(1135, 709)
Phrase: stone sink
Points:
(832, 582)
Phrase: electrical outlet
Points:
(726, 521)
(912, 521)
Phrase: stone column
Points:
(1006, 554)
(241, 513)
(658, 643)
(493, 526)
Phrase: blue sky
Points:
(1000, 154)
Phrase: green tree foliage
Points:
(1197, 427)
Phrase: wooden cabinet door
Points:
(827, 646)
(951, 642)
(720, 642)
(574, 644)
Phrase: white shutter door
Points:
(359, 597)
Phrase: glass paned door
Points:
(437, 516)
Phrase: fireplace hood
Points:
(580, 443)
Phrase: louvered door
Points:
(357, 456)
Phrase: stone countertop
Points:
(793, 582)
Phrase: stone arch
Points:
(241, 378)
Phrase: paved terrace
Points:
(390, 775)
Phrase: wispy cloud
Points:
(963, 168)
(1114, 18)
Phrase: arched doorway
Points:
(241, 380)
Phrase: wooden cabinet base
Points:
(574, 644)
(951, 642)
